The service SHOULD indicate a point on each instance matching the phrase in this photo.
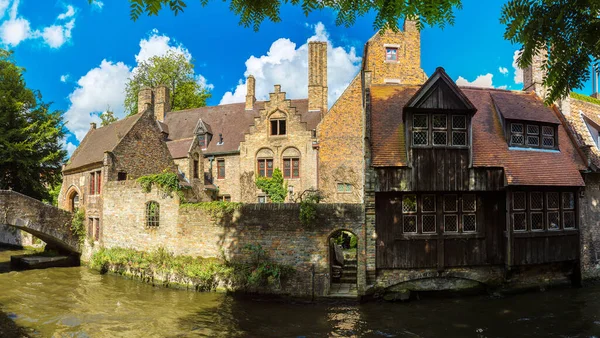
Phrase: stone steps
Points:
(343, 290)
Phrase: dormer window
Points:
(532, 135)
(202, 141)
(278, 127)
(439, 130)
(391, 54)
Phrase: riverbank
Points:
(8, 328)
(162, 268)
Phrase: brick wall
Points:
(231, 184)
(276, 227)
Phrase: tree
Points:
(253, 13)
(173, 70)
(108, 117)
(30, 135)
(569, 31)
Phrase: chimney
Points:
(162, 102)
(144, 97)
(92, 125)
(412, 37)
(533, 76)
(317, 76)
(250, 92)
(595, 93)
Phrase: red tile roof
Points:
(180, 148)
(522, 106)
(582, 114)
(490, 149)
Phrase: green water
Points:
(78, 302)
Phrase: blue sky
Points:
(79, 55)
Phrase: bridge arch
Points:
(48, 223)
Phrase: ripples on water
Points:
(77, 302)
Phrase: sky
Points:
(80, 55)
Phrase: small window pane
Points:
(409, 203)
(420, 138)
(439, 122)
(519, 221)
(429, 224)
(152, 214)
(391, 54)
(420, 121)
(282, 127)
(516, 139)
(273, 127)
(533, 141)
(459, 138)
(450, 223)
(516, 128)
(537, 221)
(569, 219)
(548, 131)
(533, 129)
(409, 223)
(553, 220)
(568, 200)
(548, 142)
(469, 203)
(450, 203)
(469, 223)
(519, 201)
(536, 201)
(428, 203)
(459, 122)
(552, 200)
(440, 138)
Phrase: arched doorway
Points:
(343, 247)
(73, 200)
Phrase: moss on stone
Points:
(585, 98)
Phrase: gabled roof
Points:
(489, 148)
(582, 114)
(98, 141)
(522, 106)
(440, 92)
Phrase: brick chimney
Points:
(162, 102)
(145, 97)
(92, 125)
(250, 92)
(533, 76)
(317, 76)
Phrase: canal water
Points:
(78, 302)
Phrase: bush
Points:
(78, 225)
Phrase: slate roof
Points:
(180, 148)
(490, 149)
(99, 140)
(581, 114)
(233, 121)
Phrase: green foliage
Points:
(353, 241)
(274, 186)
(206, 272)
(53, 193)
(173, 70)
(108, 117)
(78, 225)
(167, 182)
(216, 209)
(585, 98)
(253, 13)
(308, 206)
(31, 154)
(567, 30)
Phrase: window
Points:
(152, 214)
(121, 176)
(278, 127)
(265, 167)
(96, 229)
(262, 199)
(542, 211)
(291, 168)
(220, 168)
(226, 198)
(532, 135)
(74, 202)
(391, 54)
(95, 182)
(439, 130)
(196, 169)
(448, 213)
(344, 187)
(202, 141)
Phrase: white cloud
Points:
(104, 85)
(64, 78)
(16, 29)
(483, 81)
(503, 70)
(97, 5)
(69, 13)
(518, 71)
(202, 81)
(287, 65)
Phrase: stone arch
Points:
(346, 275)
(277, 114)
(290, 152)
(264, 153)
(73, 193)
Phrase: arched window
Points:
(152, 214)
(72, 201)
(291, 163)
(264, 163)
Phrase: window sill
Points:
(392, 61)
(542, 150)
(432, 236)
(278, 136)
(543, 233)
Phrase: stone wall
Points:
(589, 225)
(192, 231)
(13, 236)
(232, 183)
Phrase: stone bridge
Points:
(50, 224)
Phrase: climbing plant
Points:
(274, 186)
(166, 181)
(308, 205)
(216, 209)
(78, 225)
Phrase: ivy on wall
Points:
(167, 182)
(274, 186)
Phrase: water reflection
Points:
(77, 302)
